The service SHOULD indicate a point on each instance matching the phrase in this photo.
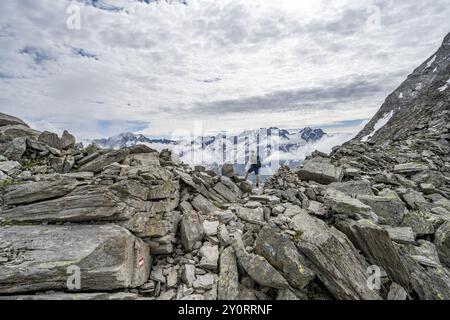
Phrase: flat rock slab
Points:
(410, 167)
(41, 258)
(282, 253)
(99, 163)
(75, 296)
(334, 259)
(37, 191)
(320, 170)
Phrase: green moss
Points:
(297, 237)
(8, 182)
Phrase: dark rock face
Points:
(136, 219)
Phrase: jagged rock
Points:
(7, 120)
(320, 170)
(442, 242)
(100, 162)
(148, 224)
(334, 259)
(228, 283)
(265, 198)
(201, 204)
(75, 296)
(397, 292)
(9, 167)
(210, 256)
(191, 230)
(257, 267)
(250, 215)
(283, 255)
(315, 208)
(187, 274)
(225, 192)
(204, 282)
(417, 220)
(85, 203)
(18, 131)
(51, 139)
(67, 140)
(39, 258)
(16, 149)
(415, 200)
(210, 227)
(378, 247)
(353, 187)
(286, 294)
(410, 167)
(228, 170)
(403, 235)
(37, 191)
(389, 207)
(343, 204)
(425, 254)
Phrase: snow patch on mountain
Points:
(380, 124)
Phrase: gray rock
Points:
(51, 139)
(404, 235)
(16, 149)
(250, 215)
(37, 191)
(99, 163)
(228, 170)
(225, 192)
(228, 283)
(18, 131)
(343, 204)
(67, 140)
(283, 255)
(410, 167)
(210, 227)
(187, 274)
(286, 294)
(39, 258)
(442, 242)
(201, 204)
(204, 282)
(397, 292)
(333, 258)
(9, 167)
(75, 296)
(353, 187)
(320, 170)
(7, 120)
(258, 268)
(210, 256)
(389, 207)
(418, 221)
(376, 244)
(191, 230)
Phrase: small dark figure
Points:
(255, 165)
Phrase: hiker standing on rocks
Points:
(255, 165)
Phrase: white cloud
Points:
(166, 64)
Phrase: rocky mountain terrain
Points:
(139, 224)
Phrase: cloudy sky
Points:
(155, 67)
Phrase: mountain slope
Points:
(424, 95)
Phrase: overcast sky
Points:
(234, 64)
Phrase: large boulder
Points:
(228, 170)
(320, 170)
(37, 191)
(442, 241)
(191, 230)
(67, 140)
(228, 283)
(282, 253)
(341, 203)
(257, 267)
(333, 258)
(41, 258)
(7, 120)
(389, 207)
(379, 248)
(99, 163)
(51, 139)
